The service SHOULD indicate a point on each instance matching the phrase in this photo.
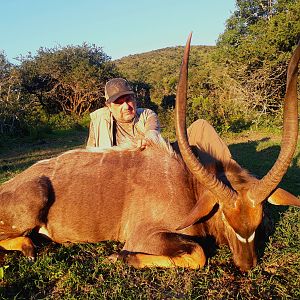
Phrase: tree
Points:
(19, 112)
(69, 79)
(256, 46)
(10, 109)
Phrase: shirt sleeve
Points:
(151, 122)
(91, 139)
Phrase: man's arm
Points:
(152, 128)
(152, 122)
(152, 125)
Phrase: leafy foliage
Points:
(212, 94)
(159, 68)
(69, 79)
(240, 80)
(15, 106)
(256, 46)
(238, 84)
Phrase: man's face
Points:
(123, 109)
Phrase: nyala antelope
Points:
(155, 201)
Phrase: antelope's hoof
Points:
(29, 252)
(31, 259)
(112, 258)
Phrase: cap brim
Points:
(116, 96)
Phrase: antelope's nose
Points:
(247, 265)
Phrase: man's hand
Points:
(151, 137)
(142, 144)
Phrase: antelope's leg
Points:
(162, 249)
(23, 244)
(194, 260)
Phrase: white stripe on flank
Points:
(43, 161)
(102, 158)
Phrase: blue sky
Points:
(120, 27)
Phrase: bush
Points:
(223, 115)
(166, 119)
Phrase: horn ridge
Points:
(261, 190)
(197, 169)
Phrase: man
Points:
(121, 122)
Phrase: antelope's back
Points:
(102, 196)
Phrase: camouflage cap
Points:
(116, 88)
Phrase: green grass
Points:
(81, 271)
(17, 154)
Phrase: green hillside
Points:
(159, 69)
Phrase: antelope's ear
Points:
(202, 208)
(282, 197)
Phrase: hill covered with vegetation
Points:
(159, 69)
(236, 84)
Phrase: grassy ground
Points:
(81, 271)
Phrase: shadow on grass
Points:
(260, 162)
